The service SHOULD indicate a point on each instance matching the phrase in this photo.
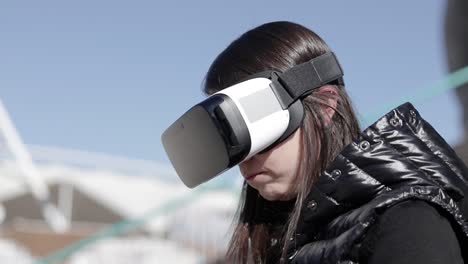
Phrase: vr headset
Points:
(245, 119)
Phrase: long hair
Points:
(279, 46)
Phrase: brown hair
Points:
(279, 46)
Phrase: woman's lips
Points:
(252, 176)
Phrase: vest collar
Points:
(400, 149)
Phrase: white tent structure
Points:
(88, 192)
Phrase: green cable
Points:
(452, 81)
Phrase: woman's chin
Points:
(275, 193)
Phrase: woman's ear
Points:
(330, 94)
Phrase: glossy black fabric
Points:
(398, 158)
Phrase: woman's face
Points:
(273, 173)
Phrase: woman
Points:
(331, 194)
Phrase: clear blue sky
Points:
(110, 76)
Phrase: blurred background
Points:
(88, 87)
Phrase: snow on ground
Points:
(141, 250)
(11, 253)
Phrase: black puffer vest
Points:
(399, 157)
